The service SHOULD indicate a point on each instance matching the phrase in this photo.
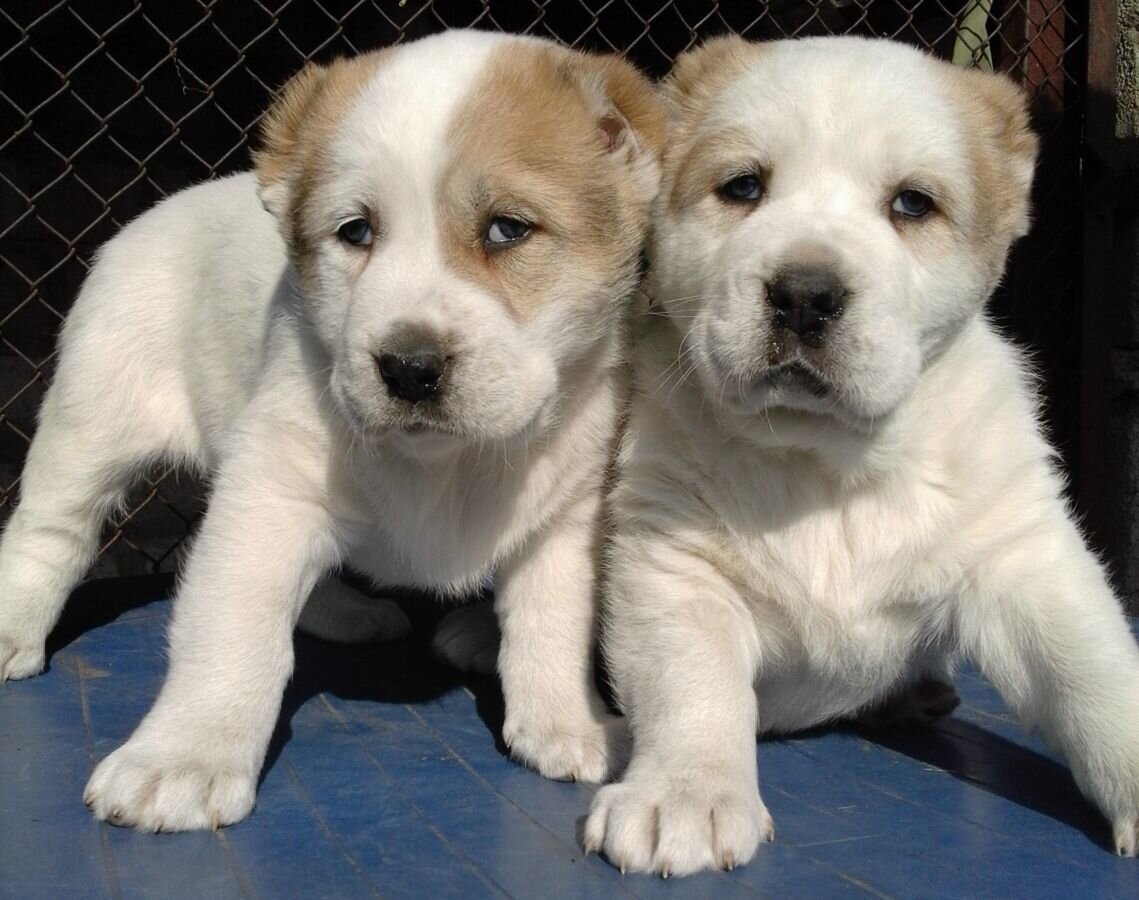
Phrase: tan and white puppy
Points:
(409, 364)
(834, 481)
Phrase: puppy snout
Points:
(805, 298)
(412, 375)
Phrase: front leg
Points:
(683, 651)
(1044, 626)
(546, 603)
(193, 762)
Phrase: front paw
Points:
(153, 788)
(21, 655)
(1126, 833)
(592, 749)
(678, 824)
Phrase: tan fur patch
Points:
(299, 127)
(694, 162)
(543, 138)
(706, 163)
(698, 76)
(995, 117)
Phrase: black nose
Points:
(805, 298)
(412, 376)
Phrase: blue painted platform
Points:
(386, 778)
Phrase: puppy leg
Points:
(545, 599)
(683, 652)
(467, 638)
(78, 466)
(193, 761)
(337, 612)
(1043, 625)
(927, 695)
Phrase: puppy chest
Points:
(849, 599)
(447, 553)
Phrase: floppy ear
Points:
(699, 73)
(631, 119)
(997, 117)
(278, 158)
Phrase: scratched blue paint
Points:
(385, 779)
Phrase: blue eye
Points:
(356, 232)
(912, 204)
(504, 231)
(742, 189)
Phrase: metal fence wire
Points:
(106, 106)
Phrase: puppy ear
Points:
(278, 158)
(699, 73)
(997, 117)
(631, 119)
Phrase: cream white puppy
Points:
(834, 480)
(397, 346)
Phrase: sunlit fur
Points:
(232, 330)
(818, 544)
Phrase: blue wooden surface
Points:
(386, 778)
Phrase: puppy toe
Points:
(677, 825)
(702, 829)
(1126, 835)
(592, 749)
(155, 791)
(623, 827)
(20, 657)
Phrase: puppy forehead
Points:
(874, 103)
(409, 101)
(429, 92)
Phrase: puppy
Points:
(408, 361)
(834, 480)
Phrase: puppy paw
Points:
(21, 656)
(593, 750)
(152, 789)
(677, 825)
(1126, 834)
(467, 638)
(916, 705)
(336, 612)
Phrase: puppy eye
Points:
(504, 231)
(741, 189)
(912, 204)
(356, 232)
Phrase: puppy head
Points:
(465, 214)
(833, 210)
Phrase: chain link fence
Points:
(106, 106)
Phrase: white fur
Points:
(191, 341)
(782, 560)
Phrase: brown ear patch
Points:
(632, 95)
(700, 74)
(996, 121)
(281, 124)
(299, 126)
